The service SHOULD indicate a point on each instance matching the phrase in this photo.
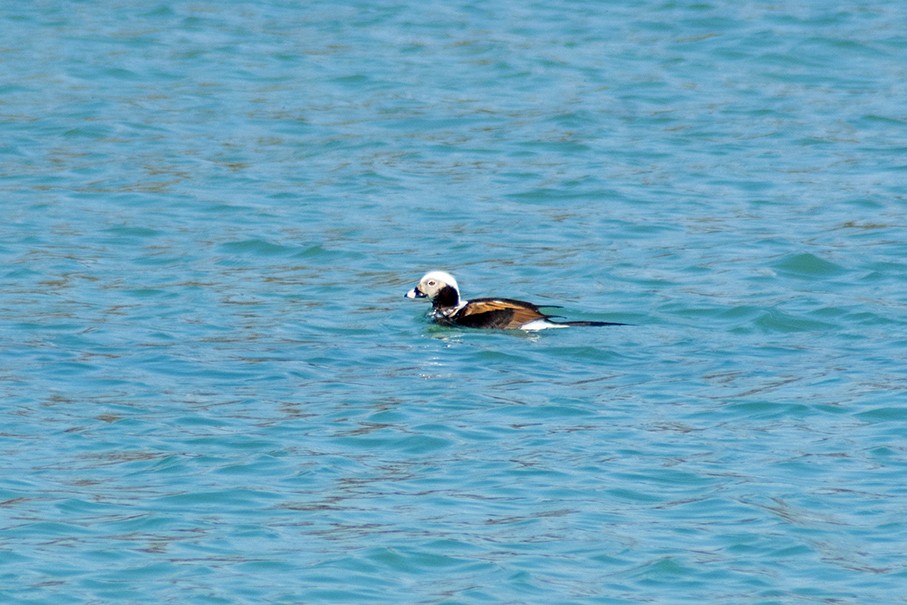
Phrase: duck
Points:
(448, 309)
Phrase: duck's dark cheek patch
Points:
(447, 297)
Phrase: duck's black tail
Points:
(590, 323)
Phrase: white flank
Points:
(541, 324)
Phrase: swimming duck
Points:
(447, 309)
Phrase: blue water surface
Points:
(213, 391)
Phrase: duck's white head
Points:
(439, 287)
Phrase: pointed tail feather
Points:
(591, 323)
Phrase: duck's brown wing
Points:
(498, 313)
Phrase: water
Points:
(213, 390)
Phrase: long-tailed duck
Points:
(500, 313)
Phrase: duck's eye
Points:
(431, 282)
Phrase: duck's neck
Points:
(448, 298)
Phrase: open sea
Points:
(212, 390)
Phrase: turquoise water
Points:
(213, 390)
